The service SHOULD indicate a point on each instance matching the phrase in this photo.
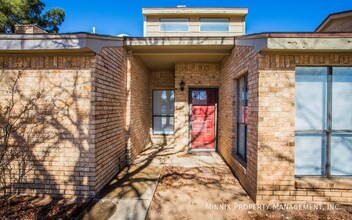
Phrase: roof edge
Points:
(76, 41)
(179, 41)
(296, 35)
(196, 10)
(330, 17)
(297, 41)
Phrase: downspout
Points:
(128, 109)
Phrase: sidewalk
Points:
(130, 194)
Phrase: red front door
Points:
(203, 118)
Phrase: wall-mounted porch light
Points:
(182, 85)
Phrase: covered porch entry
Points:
(183, 83)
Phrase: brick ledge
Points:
(323, 183)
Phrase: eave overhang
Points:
(139, 43)
(163, 52)
(80, 42)
(298, 42)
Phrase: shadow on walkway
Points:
(130, 194)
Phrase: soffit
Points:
(161, 53)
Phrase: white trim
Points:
(37, 42)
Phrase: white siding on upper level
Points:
(153, 18)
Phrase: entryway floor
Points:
(164, 183)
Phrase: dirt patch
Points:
(28, 207)
(214, 193)
(344, 212)
(186, 155)
(184, 193)
(176, 177)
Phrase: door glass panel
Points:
(199, 97)
(342, 98)
(310, 154)
(311, 98)
(341, 154)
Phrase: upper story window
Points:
(174, 24)
(214, 24)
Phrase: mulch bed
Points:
(28, 207)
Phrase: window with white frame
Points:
(323, 121)
(174, 24)
(163, 111)
(214, 24)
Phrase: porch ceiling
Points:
(163, 53)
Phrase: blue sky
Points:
(123, 16)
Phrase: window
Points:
(163, 111)
(199, 97)
(242, 117)
(323, 140)
(214, 25)
(174, 24)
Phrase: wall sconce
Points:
(182, 85)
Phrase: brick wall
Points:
(276, 180)
(109, 103)
(57, 127)
(91, 99)
(139, 112)
(242, 61)
(162, 79)
(96, 110)
(195, 75)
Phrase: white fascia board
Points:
(58, 42)
(319, 44)
(343, 44)
(205, 11)
(180, 41)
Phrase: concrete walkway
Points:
(130, 193)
